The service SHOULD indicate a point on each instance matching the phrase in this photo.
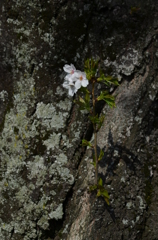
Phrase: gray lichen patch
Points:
(129, 61)
(59, 172)
(57, 214)
(52, 141)
(16, 160)
(125, 63)
(39, 137)
(49, 116)
(3, 95)
(35, 175)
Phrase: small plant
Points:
(77, 81)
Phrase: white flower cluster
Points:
(74, 79)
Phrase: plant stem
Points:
(95, 136)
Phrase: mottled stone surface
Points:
(45, 173)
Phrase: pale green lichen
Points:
(3, 95)
(58, 213)
(49, 117)
(52, 141)
(58, 171)
(66, 141)
(126, 63)
(34, 167)
(43, 222)
(142, 205)
(24, 173)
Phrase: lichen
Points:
(34, 168)
(57, 214)
(3, 95)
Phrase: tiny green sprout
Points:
(93, 187)
(108, 80)
(91, 67)
(100, 182)
(94, 162)
(109, 99)
(134, 10)
(101, 155)
(77, 81)
(6, 184)
(86, 143)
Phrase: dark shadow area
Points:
(110, 211)
(111, 160)
(54, 228)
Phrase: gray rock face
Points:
(45, 174)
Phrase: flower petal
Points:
(83, 74)
(69, 68)
(84, 82)
(75, 90)
(78, 84)
(71, 91)
(77, 73)
(73, 78)
(68, 77)
(73, 67)
(66, 84)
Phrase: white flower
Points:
(80, 79)
(69, 84)
(69, 81)
(69, 68)
(74, 79)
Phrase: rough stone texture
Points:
(45, 173)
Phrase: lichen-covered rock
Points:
(44, 172)
(37, 130)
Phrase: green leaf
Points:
(109, 99)
(107, 201)
(101, 155)
(104, 193)
(100, 182)
(94, 119)
(86, 143)
(91, 67)
(108, 80)
(81, 100)
(94, 162)
(83, 90)
(97, 120)
(98, 193)
(101, 120)
(84, 104)
(134, 10)
(87, 97)
(93, 187)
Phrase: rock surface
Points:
(45, 173)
